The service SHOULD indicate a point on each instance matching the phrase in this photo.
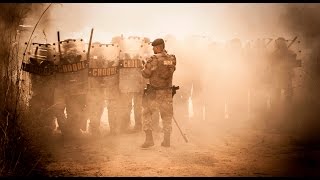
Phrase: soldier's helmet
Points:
(69, 44)
(43, 55)
(70, 51)
(95, 47)
(280, 43)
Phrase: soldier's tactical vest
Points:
(131, 56)
(103, 68)
(72, 69)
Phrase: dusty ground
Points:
(213, 150)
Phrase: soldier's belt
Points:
(160, 88)
(130, 63)
(102, 72)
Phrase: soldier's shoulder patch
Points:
(167, 62)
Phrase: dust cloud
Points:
(223, 53)
(303, 20)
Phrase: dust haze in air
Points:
(196, 28)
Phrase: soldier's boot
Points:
(166, 140)
(149, 140)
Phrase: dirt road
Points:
(213, 150)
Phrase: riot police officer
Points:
(282, 64)
(42, 86)
(71, 89)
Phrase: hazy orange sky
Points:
(220, 21)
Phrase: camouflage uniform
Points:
(257, 58)
(282, 71)
(41, 101)
(70, 92)
(104, 91)
(232, 86)
(159, 70)
(131, 88)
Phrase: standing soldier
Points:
(159, 69)
(71, 88)
(130, 82)
(42, 86)
(212, 85)
(103, 85)
(258, 78)
(283, 61)
(194, 84)
(235, 79)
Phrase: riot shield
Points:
(130, 78)
(103, 68)
(72, 66)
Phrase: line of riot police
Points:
(232, 80)
(72, 85)
(228, 81)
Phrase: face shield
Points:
(42, 54)
(72, 51)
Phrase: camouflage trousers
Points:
(75, 105)
(96, 104)
(158, 101)
(41, 110)
(125, 108)
(97, 101)
(137, 108)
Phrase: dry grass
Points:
(18, 154)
